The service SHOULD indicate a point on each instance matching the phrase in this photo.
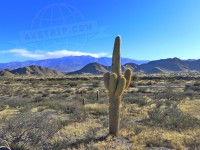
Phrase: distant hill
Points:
(66, 64)
(157, 70)
(170, 64)
(133, 66)
(92, 68)
(153, 67)
(194, 65)
(29, 71)
(6, 73)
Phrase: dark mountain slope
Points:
(92, 68)
(30, 71)
(171, 64)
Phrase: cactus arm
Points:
(113, 82)
(128, 77)
(116, 63)
(121, 86)
(106, 80)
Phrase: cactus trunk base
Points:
(114, 108)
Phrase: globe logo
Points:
(58, 26)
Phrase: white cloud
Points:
(51, 54)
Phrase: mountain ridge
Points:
(168, 65)
(66, 64)
(29, 71)
(72, 65)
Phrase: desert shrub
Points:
(136, 99)
(96, 109)
(6, 90)
(7, 82)
(65, 94)
(73, 84)
(143, 90)
(140, 83)
(30, 131)
(2, 106)
(192, 143)
(79, 113)
(149, 83)
(194, 87)
(96, 84)
(187, 86)
(55, 92)
(69, 109)
(37, 99)
(169, 96)
(60, 144)
(153, 139)
(197, 83)
(74, 107)
(40, 109)
(130, 98)
(133, 84)
(17, 101)
(172, 118)
(190, 93)
(137, 130)
(91, 97)
(44, 94)
(135, 77)
(156, 140)
(68, 90)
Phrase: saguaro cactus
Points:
(116, 83)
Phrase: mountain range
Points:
(169, 65)
(29, 71)
(88, 64)
(66, 64)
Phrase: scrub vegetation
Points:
(157, 111)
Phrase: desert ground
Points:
(71, 112)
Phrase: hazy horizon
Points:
(150, 30)
(97, 57)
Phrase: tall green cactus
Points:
(116, 83)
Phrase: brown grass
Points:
(157, 111)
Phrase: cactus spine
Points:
(116, 83)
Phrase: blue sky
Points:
(150, 29)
